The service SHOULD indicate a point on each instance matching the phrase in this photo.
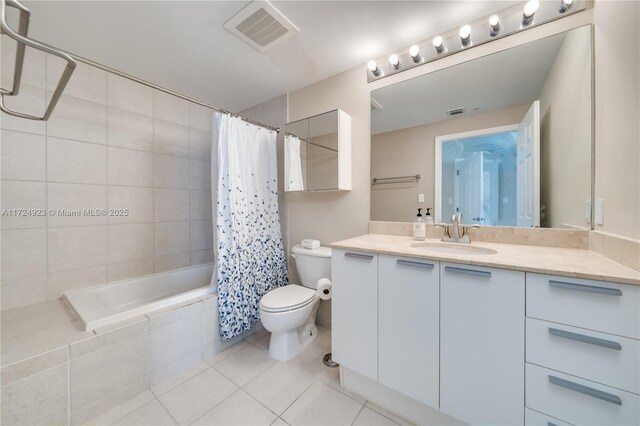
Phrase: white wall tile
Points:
(87, 82)
(129, 268)
(76, 162)
(23, 291)
(200, 174)
(77, 119)
(200, 257)
(107, 370)
(23, 156)
(170, 108)
(130, 168)
(175, 347)
(201, 207)
(171, 172)
(23, 195)
(200, 144)
(201, 235)
(139, 202)
(201, 117)
(128, 95)
(86, 199)
(171, 261)
(130, 242)
(31, 100)
(170, 138)
(24, 253)
(59, 282)
(171, 238)
(37, 399)
(130, 130)
(171, 205)
(163, 317)
(76, 247)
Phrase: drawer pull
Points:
(455, 269)
(596, 393)
(359, 255)
(588, 288)
(586, 339)
(413, 263)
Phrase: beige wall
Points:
(617, 44)
(110, 144)
(333, 216)
(412, 151)
(565, 110)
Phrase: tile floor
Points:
(242, 385)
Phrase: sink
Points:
(445, 248)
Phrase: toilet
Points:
(289, 312)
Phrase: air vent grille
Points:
(261, 25)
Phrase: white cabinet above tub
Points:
(482, 344)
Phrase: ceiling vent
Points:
(261, 25)
(375, 105)
(455, 111)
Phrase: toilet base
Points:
(287, 345)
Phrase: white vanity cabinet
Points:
(409, 327)
(482, 343)
(354, 311)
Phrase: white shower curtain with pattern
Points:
(250, 253)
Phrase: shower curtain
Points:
(250, 253)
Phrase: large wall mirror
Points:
(505, 139)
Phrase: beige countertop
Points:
(568, 262)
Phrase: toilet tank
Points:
(312, 264)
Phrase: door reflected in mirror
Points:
(504, 139)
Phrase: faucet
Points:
(456, 232)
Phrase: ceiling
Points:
(508, 78)
(183, 46)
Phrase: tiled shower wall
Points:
(110, 144)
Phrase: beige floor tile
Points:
(396, 419)
(324, 337)
(257, 336)
(151, 414)
(176, 379)
(193, 398)
(238, 409)
(220, 356)
(322, 405)
(331, 377)
(245, 364)
(279, 422)
(263, 342)
(123, 409)
(368, 417)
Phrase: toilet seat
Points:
(287, 298)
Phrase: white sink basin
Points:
(454, 248)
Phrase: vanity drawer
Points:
(579, 401)
(535, 418)
(596, 305)
(603, 358)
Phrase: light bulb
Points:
(530, 8)
(566, 4)
(438, 43)
(465, 32)
(394, 61)
(373, 67)
(494, 23)
(414, 51)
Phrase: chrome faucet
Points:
(456, 232)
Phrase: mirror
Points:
(505, 139)
(317, 153)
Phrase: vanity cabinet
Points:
(482, 343)
(409, 327)
(354, 311)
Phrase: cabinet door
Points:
(409, 327)
(482, 344)
(354, 311)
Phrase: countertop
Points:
(566, 262)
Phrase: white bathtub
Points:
(113, 302)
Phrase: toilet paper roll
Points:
(324, 289)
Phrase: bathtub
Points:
(106, 304)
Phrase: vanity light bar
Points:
(502, 24)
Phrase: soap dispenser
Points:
(419, 227)
(428, 218)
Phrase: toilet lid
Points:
(287, 298)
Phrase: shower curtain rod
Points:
(170, 92)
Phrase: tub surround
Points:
(568, 262)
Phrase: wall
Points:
(565, 110)
(333, 216)
(110, 143)
(617, 37)
(412, 151)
